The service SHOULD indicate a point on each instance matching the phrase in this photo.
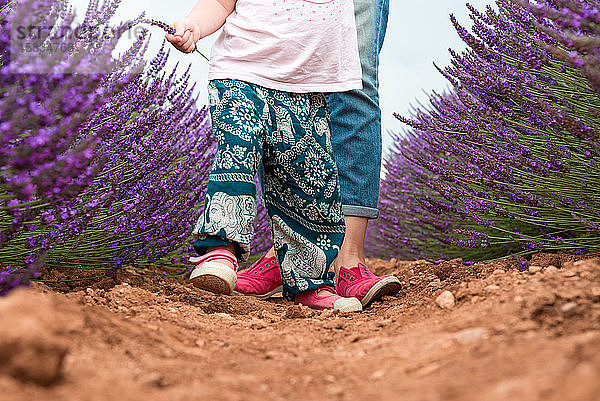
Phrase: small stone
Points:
(498, 272)
(568, 307)
(435, 284)
(569, 274)
(445, 300)
(467, 336)
(223, 315)
(551, 269)
(378, 374)
(500, 328)
(534, 269)
(492, 288)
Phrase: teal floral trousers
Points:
(288, 133)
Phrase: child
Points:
(268, 71)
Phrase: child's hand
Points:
(187, 34)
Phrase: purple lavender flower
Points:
(96, 168)
(506, 162)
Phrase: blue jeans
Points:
(356, 118)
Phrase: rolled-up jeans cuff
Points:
(360, 211)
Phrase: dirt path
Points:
(511, 336)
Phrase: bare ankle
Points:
(348, 260)
(270, 253)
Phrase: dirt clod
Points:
(298, 312)
(534, 269)
(492, 288)
(31, 347)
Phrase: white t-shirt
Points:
(290, 45)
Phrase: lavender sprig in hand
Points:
(168, 29)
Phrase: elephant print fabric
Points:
(289, 134)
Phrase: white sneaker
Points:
(212, 275)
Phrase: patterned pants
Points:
(289, 134)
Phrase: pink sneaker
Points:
(261, 280)
(360, 283)
(212, 275)
(326, 298)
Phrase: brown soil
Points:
(511, 336)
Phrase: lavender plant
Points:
(507, 163)
(97, 169)
(42, 160)
(156, 155)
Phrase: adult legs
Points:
(356, 134)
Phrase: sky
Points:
(419, 34)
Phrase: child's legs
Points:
(302, 190)
(230, 205)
